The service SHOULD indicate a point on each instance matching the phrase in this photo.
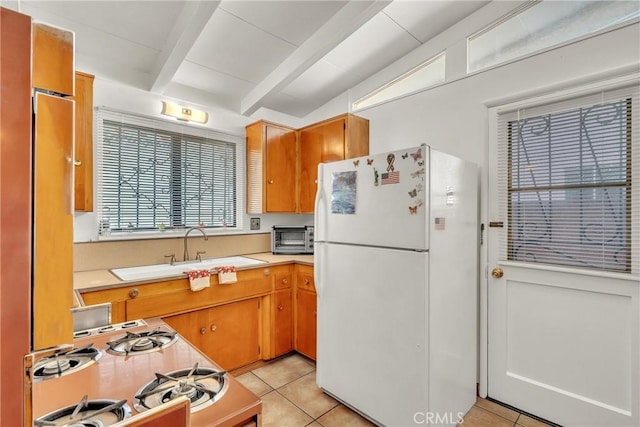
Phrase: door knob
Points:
(497, 272)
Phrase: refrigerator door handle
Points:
(319, 197)
(317, 265)
(319, 232)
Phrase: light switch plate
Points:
(255, 223)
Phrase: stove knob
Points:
(203, 331)
(133, 293)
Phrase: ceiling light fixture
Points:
(184, 113)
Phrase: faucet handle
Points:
(173, 258)
(198, 253)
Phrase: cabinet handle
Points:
(213, 328)
(270, 181)
(280, 307)
(77, 162)
(267, 272)
(203, 331)
(133, 293)
(285, 281)
(306, 281)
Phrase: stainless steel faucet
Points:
(186, 251)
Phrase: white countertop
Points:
(104, 279)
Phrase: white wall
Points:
(453, 117)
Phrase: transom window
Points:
(572, 184)
(540, 25)
(156, 176)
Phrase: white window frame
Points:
(377, 96)
(599, 89)
(105, 113)
(513, 15)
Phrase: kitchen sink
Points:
(177, 269)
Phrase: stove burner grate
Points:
(142, 342)
(87, 413)
(65, 362)
(202, 386)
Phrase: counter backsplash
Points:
(129, 253)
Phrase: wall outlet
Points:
(255, 223)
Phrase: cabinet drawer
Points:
(182, 301)
(305, 281)
(283, 280)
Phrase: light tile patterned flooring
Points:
(291, 398)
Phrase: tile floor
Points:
(291, 398)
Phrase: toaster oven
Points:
(296, 239)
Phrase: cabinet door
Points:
(280, 170)
(228, 334)
(53, 59)
(84, 143)
(318, 144)
(283, 322)
(306, 323)
(53, 221)
(232, 337)
(192, 326)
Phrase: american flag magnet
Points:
(390, 178)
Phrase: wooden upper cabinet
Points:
(53, 59)
(84, 142)
(53, 221)
(271, 168)
(339, 138)
(282, 163)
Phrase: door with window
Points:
(564, 263)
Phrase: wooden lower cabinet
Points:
(306, 307)
(305, 312)
(283, 322)
(269, 312)
(229, 334)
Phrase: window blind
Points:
(159, 175)
(569, 182)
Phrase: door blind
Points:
(570, 182)
(155, 175)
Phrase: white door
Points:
(563, 334)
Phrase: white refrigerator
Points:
(395, 261)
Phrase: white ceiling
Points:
(290, 56)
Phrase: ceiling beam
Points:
(189, 24)
(341, 25)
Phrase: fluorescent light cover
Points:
(184, 113)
